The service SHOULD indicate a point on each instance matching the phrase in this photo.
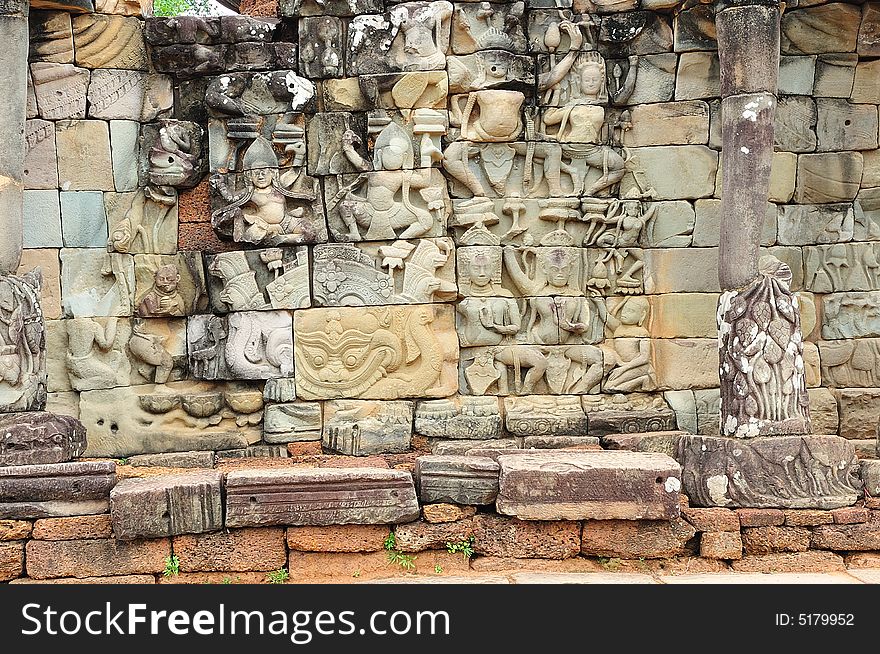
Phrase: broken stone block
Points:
(695, 29)
(462, 416)
(859, 412)
(457, 446)
(545, 415)
(39, 438)
(664, 442)
(60, 90)
(320, 55)
(744, 473)
(152, 507)
(636, 539)
(363, 427)
(276, 278)
(561, 442)
(826, 28)
(106, 41)
(437, 513)
(727, 545)
(496, 535)
(456, 479)
(597, 485)
(828, 177)
(84, 161)
(293, 421)
(322, 496)
(173, 460)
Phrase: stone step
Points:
(323, 496)
(167, 505)
(55, 489)
(456, 479)
(605, 485)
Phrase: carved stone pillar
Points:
(13, 90)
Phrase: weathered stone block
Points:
(870, 473)
(859, 412)
(738, 473)
(40, 166)
(456, 479)
(796, 75)
(807, 517)
(364, 427)
(234, 550)
(292, 421)
(39, 437)
(828, 177)
(850, 515)
(462, 416)
(124, 153)
(713, 519)
(319, 497)
(655, 78)
(84, 155)
(794, 127)
(21, 529)
(696, 166)
(11, 560)
(544, 415)
(84, 223)
(868, 44)
(760, 517)
(81, 480)
(337, 538)
(768, 540)
(845, 126)
(173, 460)
(698, 76)
(672, 123)
(561, 442)
(104, 41)
(633, 421)
(627, 539)
(681, 362)
(73, 528)
(94, 558)
(721, 545)
(678, 315)
(826, 28)
(151, 507)
(596, 485)
(663, 442)
(790, 562)
(60, 90)
(437, 513)
(496, 535)
(852, 538)
(420, 536)
(835, 75)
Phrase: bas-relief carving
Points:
(157, 350)
(763, 384)
(400, 272)
(96, 355)
(276, 278)
(539, 415)
(319, 53)
(60, 90)
(96, 283)
(363, 427)
(22, 344)
(178, 416)
(418, 89)
(483, 25)
(842, 267)
(376, 353)
(410, 36)
(628, 352)
(490, 69)
(851, 315)
(51, 37)
(850, 363)
(241, 345)
(168, 286)
(461, 416)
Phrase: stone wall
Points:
(380, 228)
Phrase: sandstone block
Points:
(185, 503)
(95, 558)
(859, 412)
(695, 167)
(234, 550)
(292, 421)
(40, 163)
(835, 75)
(826, 28)
(42, 219)
(419, 536)
(597, 485)
(664, 442)
(364, 427)
(80, 480)
(40, 438)
(842, 125)
(118, 579)
(828, 177)
(53, 508)
(823, 411)
(456, 479)
(850, 515)
(655, 78)
(84, 161)
(868, 44)
(686, 362)
(73, 528)
(84, 221)
(462, 416)
(669, 123)
(796, 75)
(173, 460)
(626, 539)
(685, 315)
(337, 538)
(698, 76)
(11, 560)
(768, 540)
(561, 442)
(319, 497)
(18, 529)
(496, 535)
(870, 473)
(105, 41)
(721, 545)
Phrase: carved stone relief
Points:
(842, 267)
(375, 353)
(241, 345)
(851, 315)
(320, 54)
(484, 25)
(461, 416)
(96, 283)
(539, 415)
(175, 417)
(629, 357)
(277, 278)
(363, 427)
(398, 272)
(848, 363)
(96, 356)
(22, 344)
(60, 90)
(169, 285)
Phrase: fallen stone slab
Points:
(173, 460)
(558, 442)
(76, 481)
(595, 485)
(456, 479)
(39, 437)
(167, 505)
(322, 496)
(52, 509)
(787, 472)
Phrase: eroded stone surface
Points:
(468, 480)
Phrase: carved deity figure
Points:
(164, 297)
(154, 362)
(618, 232)
(555, 271)
(387, 204)
(87, 369)
(22, 344)
(629, 359)
(261, 214)
(763, 384)
(240, 289)
(426, 34)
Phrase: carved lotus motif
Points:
(158, 402)
(244, 401)
(202, 405)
